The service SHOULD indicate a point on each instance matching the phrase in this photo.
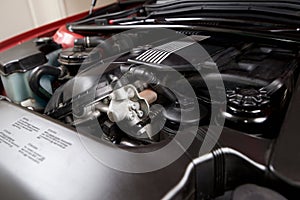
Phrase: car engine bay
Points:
(222, 97)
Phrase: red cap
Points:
(65, 37)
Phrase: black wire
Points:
(92, 6)
(114, 15)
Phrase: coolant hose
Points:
(36, 75)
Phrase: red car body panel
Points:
(45, 30)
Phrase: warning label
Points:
(32, 139)
(31, 152)
(51, 137)
(6, 139)
(25, 124)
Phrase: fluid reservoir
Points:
(16, 67)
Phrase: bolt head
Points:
(133, 106)
(140, 113)
(131, 116)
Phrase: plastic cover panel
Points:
(43, 160)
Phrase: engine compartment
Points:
(258, 79)
(219, 98)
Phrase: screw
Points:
(140, 113)
(106, 101)
(131, 116)
(133, 106)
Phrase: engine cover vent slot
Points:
(160, 53)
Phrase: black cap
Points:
(21, 58)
